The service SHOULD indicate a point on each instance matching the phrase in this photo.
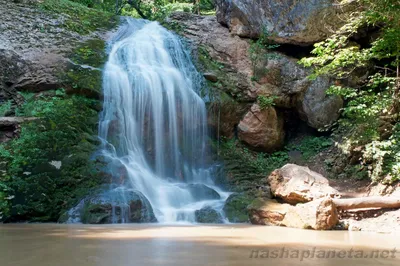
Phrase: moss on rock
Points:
(236, 207)
(84, 74)
(79, 18)
(208, 215)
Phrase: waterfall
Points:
(154, 123)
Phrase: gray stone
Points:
(317, 108)
(301, 22)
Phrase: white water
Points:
(153, 125)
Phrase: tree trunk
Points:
(136, 5)
(367, 202)
(197, 6)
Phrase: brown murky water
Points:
(137, 245)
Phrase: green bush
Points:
(266, 101)
(5, 107)
(311, 146)
(244, 168)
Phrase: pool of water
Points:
(141, 244)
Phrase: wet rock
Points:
(297, 184)
(262, 129)
(319, 214)
(294, 22)
(208, 215)
(202, 192)
(235, 208)
(111, 206)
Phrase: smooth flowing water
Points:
(154, 123)
(141, 244)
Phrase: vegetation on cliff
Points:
(52, 164)
(364, 58)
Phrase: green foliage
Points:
(311, 146)
(4, 108)
(62, 134)
(244, 168)
(259, 52)
(371, 100)
(266, 101)
(79, 18)
(383, 157)
(173, 26)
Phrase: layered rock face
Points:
(302, 22)
(35, 48)
(225, 60)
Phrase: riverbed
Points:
(143, 244)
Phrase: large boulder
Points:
(262, 129)
(283, 78)
(319, 214)
(118, 205)
(317, 108)
(302, 22)
(297, 184)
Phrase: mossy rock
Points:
(116, 206)
(208, 215)
(79, 18)
(84, 81)
(202, 192)
(236, 207)
(84, 74)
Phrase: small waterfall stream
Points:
(154, 124)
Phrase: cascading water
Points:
(153, 126)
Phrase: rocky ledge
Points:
(240, 95)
